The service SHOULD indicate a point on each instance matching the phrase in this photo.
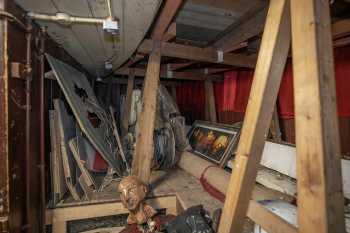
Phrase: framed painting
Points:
(213, 141)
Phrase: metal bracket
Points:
(18, 70)
(220, 56)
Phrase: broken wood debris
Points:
(84, 104)
(78, 140)
(67, 130)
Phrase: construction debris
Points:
(84, 105)
(82, 143)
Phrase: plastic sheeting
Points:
(170, 136)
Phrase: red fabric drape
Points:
(342, 74)
(232, 94)
(225, 92)
(245, 79)
(190, 98)
(285, 96)
(342, 80)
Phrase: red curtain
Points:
(245, 79)
(285, 96)
(225, 92)
(232, 94)
(342, 80)
(190, 98)
(342, 74)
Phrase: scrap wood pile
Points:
(84, 144)
(86, 151)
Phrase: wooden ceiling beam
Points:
(177, 66)
(248, 29)
(199, 54)
(254, 27)
(164, 73)
(138, 81)
(341, 28)
(341, 42)
(164, 20)
(170, 33)
(162, 31)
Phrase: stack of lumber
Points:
(69, 170)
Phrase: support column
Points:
(42, 131)
(210, 110)
(127, 105)
(320, 196)
(4, 130)
(267, 77)
(142, 161)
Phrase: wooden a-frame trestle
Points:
(320, 197)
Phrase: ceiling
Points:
(198, 22)
(88, 43)
(202, 21)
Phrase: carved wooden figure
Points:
(132, 194)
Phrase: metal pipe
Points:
(42, 129)
(109, 8)
(13, 18)
(64, 18)
(28, 118)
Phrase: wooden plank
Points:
(142, 161)
(73, 145)
(5, 138)
(166, 16)
(177, 66)
(170, 33)
(65, 214)
(139, 81)
(172, 75)
(59, 226)
(159, 32)
(341, 28)
(106, 230)
(58, 180)
(86, 189)
(120, 147)
(66, 131)
(248, 29)
(317, 134)
(254, 26)
(341, 42)
(210, 101)
(127, 105)
(268, 220)
(198, 54)
(267, 77)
